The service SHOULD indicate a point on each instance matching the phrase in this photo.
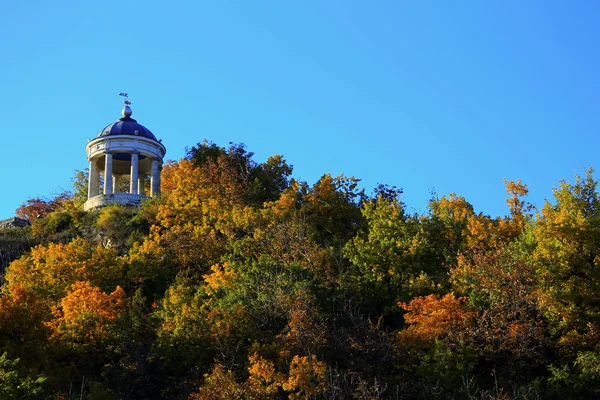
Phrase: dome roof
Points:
(126, 126)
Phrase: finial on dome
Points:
(126, 110)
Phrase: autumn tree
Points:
(431, 350)
(84, 315)
(508, 331)
(82, 332)
(332, 209)
(567, 255)
(22, 330)
(184, 345)
(196, 211)
(304, 379)
(384, 268)
(50, 270)
(484, 232)
(262, 182)
(568, 241)
(35, 208)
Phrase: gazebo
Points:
(124, 155)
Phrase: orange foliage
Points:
(305, 332)
(36, 208)
(86, 311)
(432, 317)
(21, 317)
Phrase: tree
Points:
(184, 347)
(567, 256)
(83, 316)
(22, 330)
(36, 208)
(196, 212)
(305, 379)
(13, 386)
(568, 237)
(261, 182)
(332, 210)
(80, 188)
(383, 266)
(50, 270)
(508, 330)
(431, 318)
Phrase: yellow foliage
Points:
(182, 315)
(220, 278)
(306, 377)
(305, 380)
(263, 382)
(219, 385)
(453, 207)
(49, 270)
(287, 203)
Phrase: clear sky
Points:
(444, 96)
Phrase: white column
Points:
(108, 187)
(93, 181)
(116, 183)
(133, 186)
(141, 181)
(155, 179)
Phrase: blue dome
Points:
(126, 126)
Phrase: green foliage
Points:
(241, 282)
(55, 227)
(121, 226)
(568, 234)
(14, 242)
(80, 188)
(15, 386)
(393, 261)
(332, 209)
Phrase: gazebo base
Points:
(126, 199)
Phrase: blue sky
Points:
(424, 95)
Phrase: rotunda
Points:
(124, 158)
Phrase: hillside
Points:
(240, 282)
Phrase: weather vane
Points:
(126, 102)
